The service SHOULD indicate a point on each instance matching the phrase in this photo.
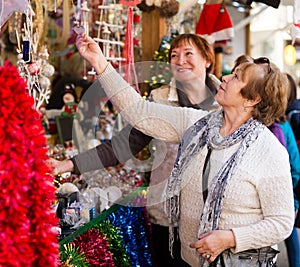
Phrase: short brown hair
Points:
(202, 44)
(271, 87)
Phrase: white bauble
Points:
(44, 82)
(48, 70)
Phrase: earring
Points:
(245, 109)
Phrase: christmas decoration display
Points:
(117, 237)
(215, 23)
(34, 67)
(160, 70)
(110, 30)
(27, 223)
(27, 30)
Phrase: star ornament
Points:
(7, 7)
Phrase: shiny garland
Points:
(27, 222)
(94, 245)
(70, 256)
(116, 244)
(120, 238)
(130, 221)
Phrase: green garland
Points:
(72, 257)
(116, 245)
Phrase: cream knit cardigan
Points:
(258, 203)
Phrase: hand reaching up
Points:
(89, 49)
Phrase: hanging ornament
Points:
(143, 6)
(168, 8)
(130, 73)
(7, 7)
(26, 50)
(44, 82)
(215, 23)
(48, 70)
(33, 68)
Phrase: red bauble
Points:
(33, 68)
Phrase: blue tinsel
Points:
(131, 222)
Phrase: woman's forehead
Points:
(185, 42)
(249, 70)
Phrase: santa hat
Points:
(215, 23)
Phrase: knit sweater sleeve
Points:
(120, 148)
(157, 120)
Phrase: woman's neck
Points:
(233, 121)
(195, 91)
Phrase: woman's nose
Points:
(224, 78)
(181, 60)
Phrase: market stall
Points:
(49, 109)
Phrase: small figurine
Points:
(70, 102)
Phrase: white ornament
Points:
(48, 70)
(44, 82)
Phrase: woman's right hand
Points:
(90, 51)
(60, 166)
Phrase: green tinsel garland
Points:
(70, 256)
(116, 245)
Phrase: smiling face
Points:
(187, 62)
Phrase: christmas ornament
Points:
(8, 7)
(33, 68)
(215, 23)
(130, 73)
(168, 8)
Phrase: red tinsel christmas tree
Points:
(27, 192)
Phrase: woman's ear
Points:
(252, 102)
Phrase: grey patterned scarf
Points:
(206, 132)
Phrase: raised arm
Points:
(160, 121)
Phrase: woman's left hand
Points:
(213, 243)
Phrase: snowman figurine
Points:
(70, 104)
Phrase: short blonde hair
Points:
(271, 88)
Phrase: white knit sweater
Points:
(258, 203)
